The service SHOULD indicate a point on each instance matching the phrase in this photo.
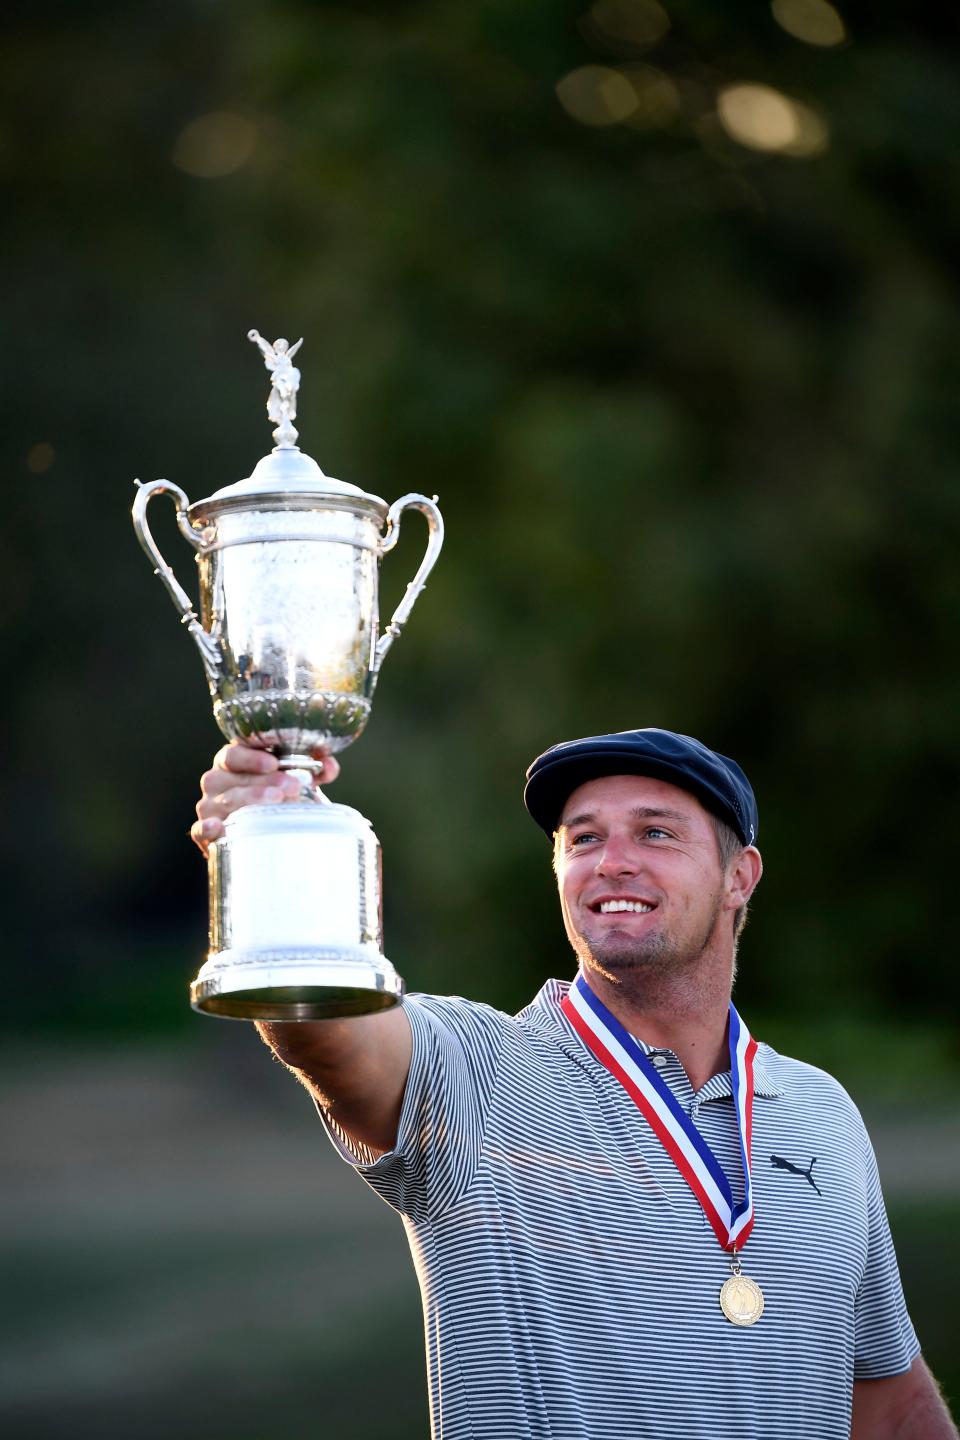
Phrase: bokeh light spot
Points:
(763, 119)
(40, 457)
(639, 23)
(215, 144)
(597, 95)
(658, 99)
(814, 21)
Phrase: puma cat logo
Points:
(779, 1164)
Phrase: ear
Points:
(744, 877)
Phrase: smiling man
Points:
(606, 1195)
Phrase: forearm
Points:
(356, 1068)
(928, 1418)
(319, 1052)
(902, 1407)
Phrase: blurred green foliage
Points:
(689, 408)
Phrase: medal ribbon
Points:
(623, 1056)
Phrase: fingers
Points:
(224, 791)
(204, 832)
(331, 769)
(241, 759)
(244, 775)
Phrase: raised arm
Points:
(356, 1068)
(901, 1407)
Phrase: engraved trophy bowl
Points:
(288, 632)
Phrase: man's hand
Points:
(243, 775)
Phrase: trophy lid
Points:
(286, 475)
(288, 470)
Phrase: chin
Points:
(625, 955)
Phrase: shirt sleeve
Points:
(457, 1048)
(885, 1340)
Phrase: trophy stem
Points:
(308, 771)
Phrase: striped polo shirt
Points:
(570, 1278)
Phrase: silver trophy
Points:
(288, 635)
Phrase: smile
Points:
(621, 907)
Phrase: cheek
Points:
(571, 878)
(568, 897)
(689, 887)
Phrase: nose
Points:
(618, 856)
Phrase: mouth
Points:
(622, 906)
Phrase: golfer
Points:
(628, 1217)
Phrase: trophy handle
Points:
(434, 542)
(209, 650)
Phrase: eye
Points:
(584, 837)
(657, 832)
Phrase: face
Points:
(641, 884)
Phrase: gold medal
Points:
(741, 1299)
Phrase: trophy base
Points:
(293, 987)
(295, 927)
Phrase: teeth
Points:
(614, 907)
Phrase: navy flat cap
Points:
(717, 782)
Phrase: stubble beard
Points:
(642, 967)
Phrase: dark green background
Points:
(691, 413)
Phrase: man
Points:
(597, 1256)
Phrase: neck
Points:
(689, 1020)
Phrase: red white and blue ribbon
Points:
(624, 1057)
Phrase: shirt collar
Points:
(718, 1086)
(763, 1082)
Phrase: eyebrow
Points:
(639, 812)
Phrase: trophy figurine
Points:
(288, 635)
